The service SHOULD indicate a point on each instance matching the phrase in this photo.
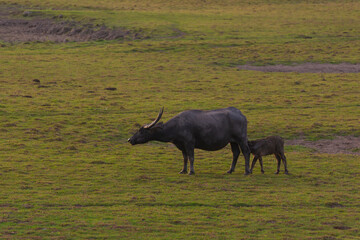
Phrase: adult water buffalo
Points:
(207, 130)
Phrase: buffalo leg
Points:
(246, 152)
(261, 164)
(236, 152)
(190, 154)
(278, 163)
(184, 170)
(253, 163)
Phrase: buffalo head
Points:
(145, 133)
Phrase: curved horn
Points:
(156, 120)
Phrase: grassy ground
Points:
(66, 170)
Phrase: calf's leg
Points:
(261, 164)
(284, 162)
(278, 163)
(253, 163)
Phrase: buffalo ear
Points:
(158, 125)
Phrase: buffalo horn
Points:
(156, 120)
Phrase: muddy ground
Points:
(340, 144)
(17, 25)
(306, 68)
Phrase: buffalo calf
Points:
(270, 145)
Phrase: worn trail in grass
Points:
(66, 170)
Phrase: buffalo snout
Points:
(130, 140)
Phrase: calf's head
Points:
(145, 133)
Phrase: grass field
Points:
(67, 171)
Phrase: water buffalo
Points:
(207, 130)
(270, 145)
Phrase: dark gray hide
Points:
(207, 130)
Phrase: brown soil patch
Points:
(27, 26)
(306, 68)
(340, 144)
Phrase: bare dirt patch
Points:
(27, 26)
(340, 144)
(306, 68)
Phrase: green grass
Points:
(67, 172)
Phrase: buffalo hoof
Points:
(191, 173)
(262, 171)
(277, 172)
(287, 173)
(247, 173)
(230, 171)
(183, 172)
